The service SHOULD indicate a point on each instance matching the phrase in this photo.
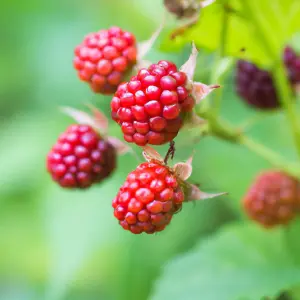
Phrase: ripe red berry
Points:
(148, 199)
(273, 199)
(104, 58)
(149, 108)
(80, 158)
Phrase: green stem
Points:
(221, 53)
(274, 158)
(225, 131)
(266, 38)
(264, 32)
(287, 102)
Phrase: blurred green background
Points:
(65, 245)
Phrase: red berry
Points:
(148, 199)
(158, 98)
(80, 158)
(273, 199)
(104, 57)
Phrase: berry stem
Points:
(223, 130)
(286, 99)
(274, 158)
(170, 153)
(219, 56)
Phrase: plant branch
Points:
(287, 102)
(225, 131)
(266, 37)
(221, 53)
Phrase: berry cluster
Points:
(148, 199)
(104, 58)
(149, 108)
(273, 199)
(80, 158)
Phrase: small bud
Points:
(183, 8)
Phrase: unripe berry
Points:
(183, 8)
(273, 199)
(255, 86)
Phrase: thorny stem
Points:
(170, 153)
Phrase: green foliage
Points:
(243, 40)
(240, 262)
(66, 245)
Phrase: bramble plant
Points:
(153, 103)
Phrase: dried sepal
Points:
(120, 147)
(142, 64)
(194, 193)
(189, 66)
(206, 3)
(80, 117)
(151, 154)
(184, 170)
(99, 118)
(145, 46)
(194, 121)
(201, 90)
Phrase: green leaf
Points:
(77, 223)
(240, 262)
(280, 24)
